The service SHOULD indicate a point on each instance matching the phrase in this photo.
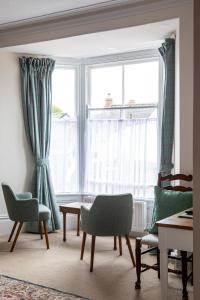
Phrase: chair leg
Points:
(115, 243)
(184, 275)
(16, 236)
(120, 245)
(138, 262)
(130, 249)
(41, 229)
(158, 261)
(83, 244)
(46, 233)
(92, 252)
(13, 230)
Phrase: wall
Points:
(15, 158)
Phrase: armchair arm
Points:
(85, 212)
(27, 210)
(22, 196)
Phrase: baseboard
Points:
(5, 225)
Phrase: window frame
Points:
(83, 69)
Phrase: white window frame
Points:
(83, 69)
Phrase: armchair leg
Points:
(46, 233)
(83, 244)
(13, 230)
(115, 243)
(120, 245)
(16, 236)
(130, 249)
(138, 263)
(92, 252)
(41, 229)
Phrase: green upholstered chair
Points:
(110, 215)
(23, 208)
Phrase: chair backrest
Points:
(111, 215)
(10, 200)
(170, 178)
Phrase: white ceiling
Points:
(17, 10)
(102, 43)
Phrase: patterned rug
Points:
(14, 289)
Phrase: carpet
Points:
(14, 289)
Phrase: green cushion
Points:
(44, 212)
(168, 203)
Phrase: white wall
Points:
(15, 158)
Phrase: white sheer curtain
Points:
(121, 156)
(64, 155)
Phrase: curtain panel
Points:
(167, 51)
(36, 89)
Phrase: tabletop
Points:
(76, 205)
(176, 222)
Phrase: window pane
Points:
(121, 142)
(63, 91)
(64, 155)
(64, 135)
(106, 80)
(141, 82)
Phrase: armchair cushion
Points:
(167, 203)
(44, 212)
(25, 196)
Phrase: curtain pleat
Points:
(36, 88)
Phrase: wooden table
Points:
(72, 208)
(174, 233)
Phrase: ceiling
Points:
(18, 10)
(103, 43)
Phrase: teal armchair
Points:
(110, 215)
(23, 208)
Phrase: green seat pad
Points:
(168, 203)
(44, 212)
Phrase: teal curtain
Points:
(167, 51)
(36, 89)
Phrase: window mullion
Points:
(81, 126)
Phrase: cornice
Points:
(70, 23)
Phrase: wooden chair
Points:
(151, 240)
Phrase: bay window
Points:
(110, 146)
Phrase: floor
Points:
(60, 267)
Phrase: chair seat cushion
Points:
(44, 212)
(168, 203)
(150, 240)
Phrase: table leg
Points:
(78, 224)
(64, 226)
(184, 274)
(164, 272)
